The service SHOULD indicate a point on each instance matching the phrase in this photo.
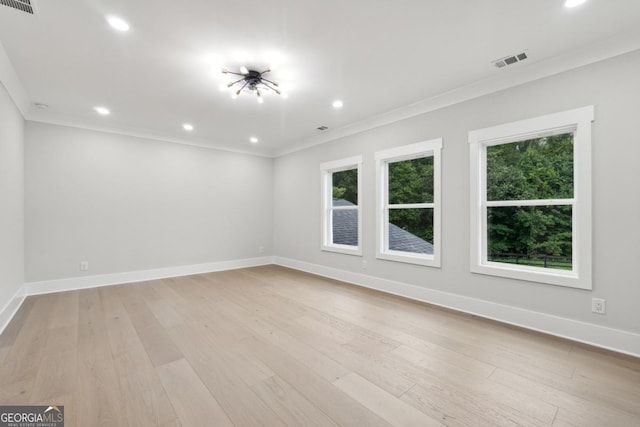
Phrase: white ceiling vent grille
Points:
(23, 5)
(510, 60)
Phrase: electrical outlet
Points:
(598, 305)
(84, 265)
(261, 249)
(364, 264)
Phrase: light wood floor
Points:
(271, 346)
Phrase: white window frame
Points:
(577, 121)
(431, 148)
(326, 173)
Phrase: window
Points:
(531, 199)
(408, 200)
(341, 214)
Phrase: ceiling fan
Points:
(252, 81)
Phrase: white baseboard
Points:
(75, 283)
(11, 308)
(85, 282)
(588, 333)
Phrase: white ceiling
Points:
(376, 55)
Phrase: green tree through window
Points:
(534, 169)
(345, 185)
(411, 181)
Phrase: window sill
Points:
(568, 279)
(405, 257)
(343, 249)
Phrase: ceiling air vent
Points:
(510, 60)
(322, 128)
(23, 5)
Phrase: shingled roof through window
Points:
(345, 232)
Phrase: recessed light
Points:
(573, 3)
(188, 127)
(253, 140)
(102, 111)
(118, 23)
(337, 103)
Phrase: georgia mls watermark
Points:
(32, 416)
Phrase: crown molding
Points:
(507, 78)
(68, 121)
(10, 80)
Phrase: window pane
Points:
(539, 236)
(345, 187)
(540, 168)
(411, 230)
(411, 181)
(345, 227)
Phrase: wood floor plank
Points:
(144, 398)
(192, 401)
(356, 331)
(165, 314)
(457, 407)
(591, 418)
(293, 408)
(398, 335)
(65, 311)
(3, 353)
(57, 373)
(21, 363)
(340, 407)
(584, 355)
(98, 385)
(159, 346)
(363, 363)
(322, 365)
(17, 393)
(453, 408)
(396, 412)
(217, 370)
(330, 332)
(246, 366)
(566, 398)
(11, 331)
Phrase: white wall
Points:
(12, 198)
(127, 204)
(613, 86)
